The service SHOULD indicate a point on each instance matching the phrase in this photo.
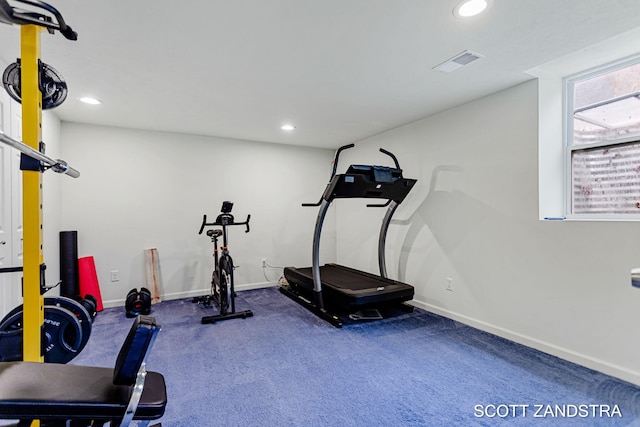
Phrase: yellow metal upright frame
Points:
(33, 317)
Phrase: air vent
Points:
(460, 60)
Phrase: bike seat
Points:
(214, 233)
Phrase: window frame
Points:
(568, 84)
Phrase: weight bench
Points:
(62, 395)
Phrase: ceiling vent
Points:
(460, 60)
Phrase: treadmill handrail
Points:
(315, 262)
(333, 171)
(390, 154)
(379, 205)
(382, 238)
(335, 159)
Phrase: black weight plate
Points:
(10, 315)
(91, 304)
(63, 333)
(68, 303)
(79, 311)
(12, 322)
(52, 86)
(11, 345)
(11, 81)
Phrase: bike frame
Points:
(223, 265)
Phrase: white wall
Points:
(142, 189)
(562, 287)
(51, 207)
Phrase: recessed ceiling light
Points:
(468, 8)
(89, 100)
(287, 127)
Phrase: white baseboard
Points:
(561, 352)
(259, 285)
(191, 293)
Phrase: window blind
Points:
(606, 180)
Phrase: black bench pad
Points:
(30, 390)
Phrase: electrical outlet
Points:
(115, 275)
(264, 263)
(449, 284)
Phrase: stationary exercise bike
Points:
(222, 287)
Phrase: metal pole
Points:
(57, 165)
(383, 238)
(315, 266)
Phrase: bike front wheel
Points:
(226, 277)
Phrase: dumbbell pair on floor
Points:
(138, 302)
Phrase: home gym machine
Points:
(36, 86)
(53, 393)
(334, 292)
(222, 282)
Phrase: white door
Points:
(16, 199)
(10, 296)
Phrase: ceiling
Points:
(339, 70)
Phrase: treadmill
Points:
(335, 292)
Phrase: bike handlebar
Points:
(223, 224)
(244, 223)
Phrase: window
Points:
(603, 141)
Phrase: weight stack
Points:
(70, 286)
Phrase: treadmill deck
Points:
(350, 288)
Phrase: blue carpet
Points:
(286, 367)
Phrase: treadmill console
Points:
(371, 182)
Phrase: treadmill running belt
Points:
(351, 287)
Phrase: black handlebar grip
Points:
(68, 33)
(247, 223)
(204, 222)
(390, 154)
(335, 159)
(379, 205)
